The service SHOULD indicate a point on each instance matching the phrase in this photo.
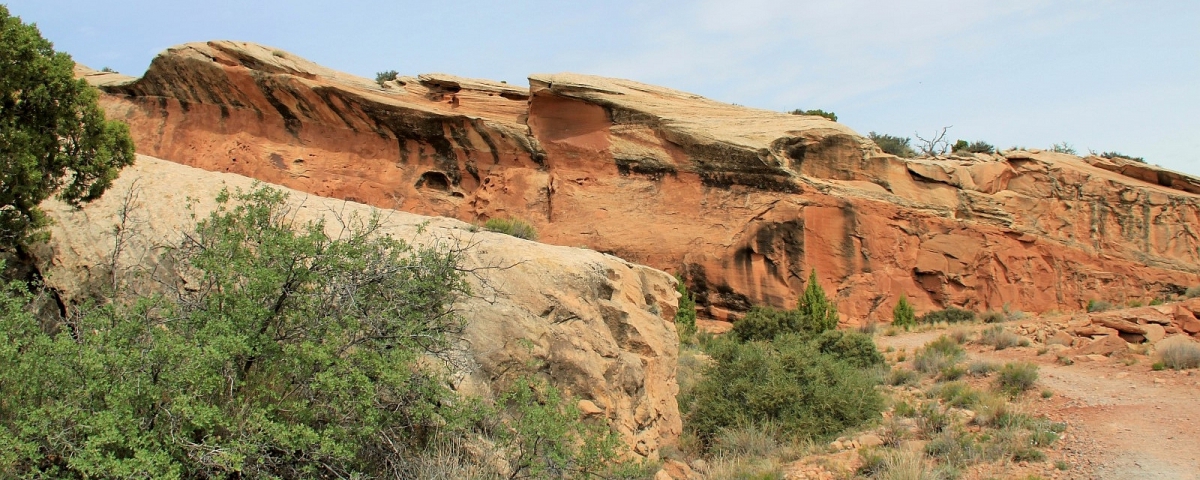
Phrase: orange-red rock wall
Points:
(1029, 234)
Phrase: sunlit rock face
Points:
(742, 202)
(597, 327)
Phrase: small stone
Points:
(588, 408)
(870, 440)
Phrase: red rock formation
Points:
(742, 201)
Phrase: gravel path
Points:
(1126, 422)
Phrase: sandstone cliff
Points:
(591, 323)
(742, 201)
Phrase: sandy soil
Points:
(1124, 421)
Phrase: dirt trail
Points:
(1125, 422)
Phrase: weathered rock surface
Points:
(594, 324)
(742, 201)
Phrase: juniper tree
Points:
(820, 313)
(53, 134)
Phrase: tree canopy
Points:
(53, 134)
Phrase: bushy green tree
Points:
(685, 316)
(898, 146)
(820, 313)
(854, 348)
(287, 354)
(787, 383)
(902, 314)
(766, 323)
(53, 135)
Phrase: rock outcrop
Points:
(594, 325)
(1116, 332)
(742, 202)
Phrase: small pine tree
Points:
(685, 316)
(820, 313)
(903, 315)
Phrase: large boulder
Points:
(598, 327)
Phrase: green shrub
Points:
(902, 314)
(511, 226)
(951, 372)
(300, 357)
(956, 448)
(973, 147)
(543, 437)
(902, 376)
(1063, 147)
(685, 316)
(1094, 306)
(386, 76)
(999, 338)
(787, 383)
(948, 315)
(938, 355)
(813, 305)
(903, 409)
(1015, 378)
(814, 314)
(992, 316)
(957, 394)
(931, 419)
(1192, 292)
(766, 323)
(1115, 155)
(1179, 353)
(856, 349)
(898, 146)
(815, 112)
(981, 368)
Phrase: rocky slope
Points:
(593, 324)
(743, 202)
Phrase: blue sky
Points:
(1101, 75)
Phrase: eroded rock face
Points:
(743, 202)
(594, 325)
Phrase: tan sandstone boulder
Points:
(599, 327)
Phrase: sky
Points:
(1100, 75)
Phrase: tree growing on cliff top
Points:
(53, 134)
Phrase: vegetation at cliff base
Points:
(273, 351)
(53, 135)
(903, 315)
(788, 373)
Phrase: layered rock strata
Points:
(742, 202)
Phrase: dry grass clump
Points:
(902, 376)
(961, 335)
(512, 226)
(999, 338)
(1179, 353)
(896, 465)
(938, 355)
(752, 440)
